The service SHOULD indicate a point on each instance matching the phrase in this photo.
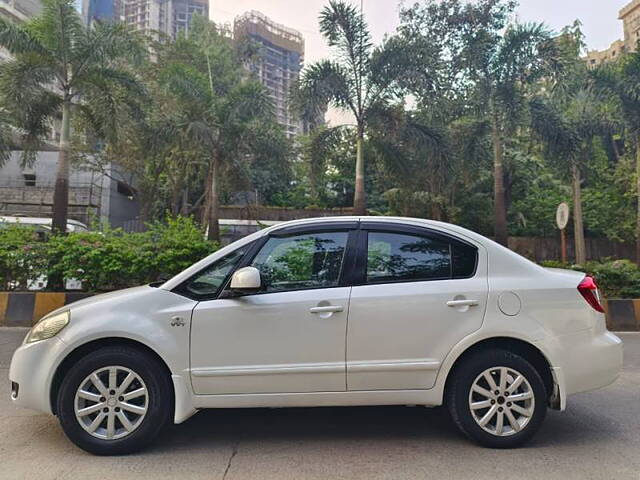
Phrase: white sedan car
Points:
(325, 312)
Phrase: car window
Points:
(208, 282)
(396, 257)
(303, 261)
(464, 258)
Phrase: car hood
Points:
(101, 298)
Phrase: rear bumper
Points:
(585, 361)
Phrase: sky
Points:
(599, 18)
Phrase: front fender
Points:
(144, 315)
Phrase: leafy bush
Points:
(106, 260)
(21, 256)
(616, 278)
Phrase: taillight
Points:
(589, 290)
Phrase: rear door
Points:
(419, 292)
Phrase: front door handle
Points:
(462, 303)
(327, 309)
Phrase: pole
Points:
(563, 245)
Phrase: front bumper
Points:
(32, 369)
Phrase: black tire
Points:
(159, 407)
(459, 387)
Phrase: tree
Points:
(623, 79)
(503, 70)
(59, 63)
(415, 152)
(358, 82)
(468, 51)
(6, 136)
(569, 123)
(568, 115)
(229, 116)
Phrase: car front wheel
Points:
(497, 398)
(115, 400)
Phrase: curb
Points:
(623, 315)
(23, 309)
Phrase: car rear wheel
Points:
(115, 401)
(497, 398)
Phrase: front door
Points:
(420, 293)
(289, 337)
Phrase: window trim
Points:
(355, 261)
(360, 273)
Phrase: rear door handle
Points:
(327, 309)
(462, 303)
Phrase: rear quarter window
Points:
(464, 259)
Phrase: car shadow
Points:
(361, 424)
(310, 424)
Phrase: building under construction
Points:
(278, 63)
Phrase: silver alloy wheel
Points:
(111, 402)
(501, 401)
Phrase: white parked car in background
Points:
(41, 223)
(331, 311)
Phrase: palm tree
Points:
(225, 113)
(568, 124)
(503, 66)
(357, 82)
(622, 79)
(7, 129)
(415, 149)
(59, 63)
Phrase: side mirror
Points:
(246, 280)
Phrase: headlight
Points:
(48, 327)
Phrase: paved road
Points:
(597, 438)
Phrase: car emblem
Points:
(177, 322)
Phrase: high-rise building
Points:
(183, 10)
(630, 16)
(167, 17)
(278, 62)
(101, 11)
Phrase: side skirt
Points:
(319, 399)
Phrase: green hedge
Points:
(615, 278)
(103, 260)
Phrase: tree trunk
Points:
(176, 197)
(499, 206)
(214, 207)
(61, 190)
(638, 199)
(359, 197)
(184, 207)
(578, 227)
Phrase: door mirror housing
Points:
(246, 280)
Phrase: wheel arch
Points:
(82, 350)
(515, 345)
